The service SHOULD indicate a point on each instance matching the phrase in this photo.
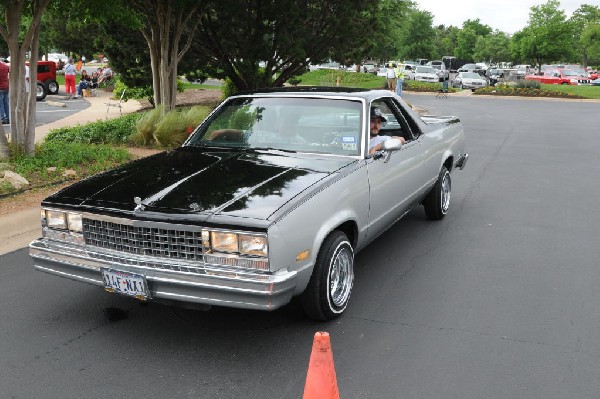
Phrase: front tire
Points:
(41, 91)
(437, 201)
(328, 291)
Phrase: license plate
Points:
(125, 283)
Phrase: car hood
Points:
(192, 180)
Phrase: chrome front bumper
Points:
(210, 284)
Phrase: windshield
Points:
(314, 125)
(568, 72)
(425, 69)
(469, 66)
(470, 75)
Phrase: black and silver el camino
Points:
(269, 198)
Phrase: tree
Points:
(548, 36)
(493, 47)
(468, 36)
(20, 43)
(419, 35)
(388, 36)
(590, 41)
(446, 40)
(264, 43)
(168, 27)
(583, 20)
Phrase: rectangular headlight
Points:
(253, 245)
(56, 219)
(75, 222)
(224, 242)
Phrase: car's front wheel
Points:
(328, 291)
(437, 201)
(41, 91)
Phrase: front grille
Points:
(141, 240)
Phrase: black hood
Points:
(198, 181)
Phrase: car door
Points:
(393, 184)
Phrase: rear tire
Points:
(52, 86)
(328, 291)
(437, 201)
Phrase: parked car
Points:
(559, 76)
(409, 72)
(42, 88)
(57, 58)
(469, 80)
(270, 198)
(494, 75)
(470, 68)
(426, 74)
(442, 72)
(581, 71)
(369, 68)
(595, 82)
(46, 73)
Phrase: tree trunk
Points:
(166, 21)
(22, 104)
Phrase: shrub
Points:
(168, 131)
(136, 93)
(112, 131)
(229, 89)
(528, 84)
(145, 127)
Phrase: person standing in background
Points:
(83, 59)
(399, 78)
(4, 110)
(70, 73)
(391, 77)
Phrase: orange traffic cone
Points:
(321, 382)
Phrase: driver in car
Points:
(376, 141)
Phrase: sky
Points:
(508, 16)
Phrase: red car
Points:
(46, 79)
(560, 76)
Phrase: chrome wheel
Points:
(341, 275)
(446, 191)
(328, 292)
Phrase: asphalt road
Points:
(49, 109)
(498, 300)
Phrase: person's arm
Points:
(226, 135)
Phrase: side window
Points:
(395, 124)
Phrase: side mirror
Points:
(392, 144)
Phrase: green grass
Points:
(329, 77)
(582, 91)
(85, 159)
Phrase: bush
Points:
(229, 89)
(528, 84)
(145, 126)
(112, 131)
(168, 131)
(136, 93)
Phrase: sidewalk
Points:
(19, 229)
